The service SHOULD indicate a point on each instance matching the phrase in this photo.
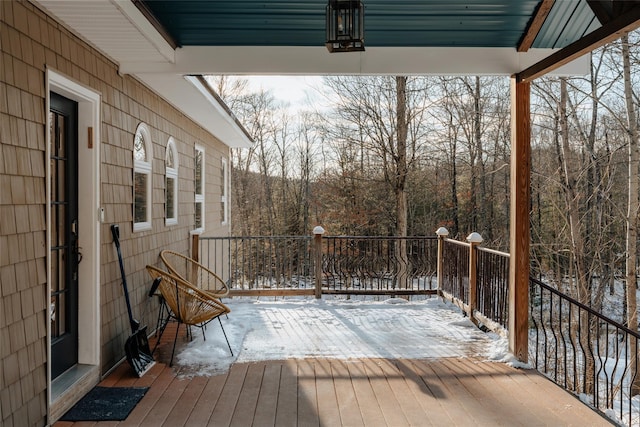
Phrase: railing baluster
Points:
(601, 362)
(349, 264)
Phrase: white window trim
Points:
(173, 174)
(224, 197)
(144, 167)
(199, 198)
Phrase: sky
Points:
(393, 328)
(295, 90)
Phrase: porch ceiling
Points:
(160, 41)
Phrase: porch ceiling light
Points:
(345, 26)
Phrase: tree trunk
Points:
(632, 214)
(401, 180)
(577, 239)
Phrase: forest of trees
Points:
(403, 155)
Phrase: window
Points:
(199, 188)
(224, 197)
(171, 183)
(142, 155)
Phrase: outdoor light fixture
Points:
(345, 26)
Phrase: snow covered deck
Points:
(308, 362)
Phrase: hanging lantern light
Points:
(345, 26)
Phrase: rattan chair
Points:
(187, 304)
(195, 273)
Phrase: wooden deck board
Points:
(307, 395)
(226, 405)
(287, 411)
(347, 402)
(265, 414)
(494, 388)
(203, 408)
(367, 401)
(367, 392)
(328, 411)
(165, 404)
(452, 396)
(186, 403)
(410, 390)
(384, 395)
(148, 402)
(244, 412)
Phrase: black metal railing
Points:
(379, 264)
(584, 352)
(260, 262)
(492, 271)
(350, 264)
(455, 269)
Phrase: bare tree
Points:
(632, 211)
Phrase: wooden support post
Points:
(195, 246)
(195, 255)
(519, 219)
(474, 240)
(317, 251)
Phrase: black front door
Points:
(63, 308)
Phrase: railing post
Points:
(318, 231)
(442, 233)
(195, 254)
(195, 245)
(474, 240)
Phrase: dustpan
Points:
(136, 347)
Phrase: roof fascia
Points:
(145, 26)
(280, 60)
(195, 101)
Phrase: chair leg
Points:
(161, 320)
(225, 335)
(161, 329)
(174, 344)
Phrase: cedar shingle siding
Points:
(30, 43)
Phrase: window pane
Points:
(170, 197)
(140, 202)
(139, 150)
(170, 158)
(53, 316)
(198, 219)
(198, 172)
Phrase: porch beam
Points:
(519, 219)
(628, 21)
(534, 26)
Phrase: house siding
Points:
(32, 42)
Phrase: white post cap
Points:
(442, 231)
(474, 238)
(318, 230)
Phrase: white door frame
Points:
(89, 121)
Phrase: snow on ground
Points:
(299, 328)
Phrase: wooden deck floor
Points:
(360, 392)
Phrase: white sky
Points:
(343, 329)
(295, 90)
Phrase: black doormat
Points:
(106, 404)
